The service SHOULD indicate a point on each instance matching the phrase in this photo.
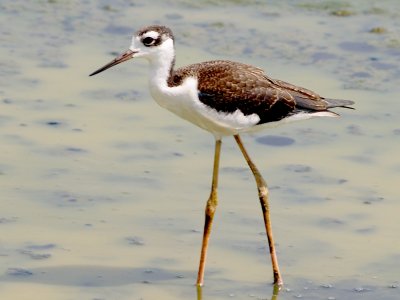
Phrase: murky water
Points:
(102, 192)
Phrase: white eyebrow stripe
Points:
(152, 34)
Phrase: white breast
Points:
(183, 101)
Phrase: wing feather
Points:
(230, 86)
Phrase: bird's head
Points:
(153, 42)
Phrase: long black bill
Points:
(127, 55)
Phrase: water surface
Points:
(102, 192)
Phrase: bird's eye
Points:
(148, 41)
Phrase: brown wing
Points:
(228, 86)
(304, 98)
(307, 99)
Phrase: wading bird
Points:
(225, 98)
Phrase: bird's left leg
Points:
(263, 195)
(209, 213)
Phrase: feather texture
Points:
(228, 86)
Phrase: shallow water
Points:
(102, 192)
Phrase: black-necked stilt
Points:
(225, 98)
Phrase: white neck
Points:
(161, 64)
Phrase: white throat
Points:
(161, 63)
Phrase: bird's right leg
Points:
(209, 213)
